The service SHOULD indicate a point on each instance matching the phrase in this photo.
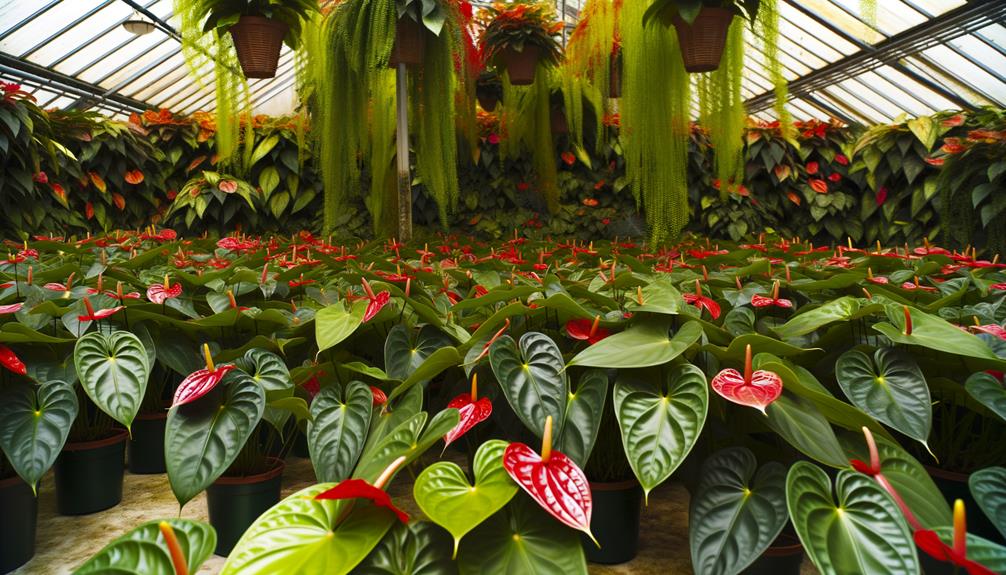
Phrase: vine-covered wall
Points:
(72, 172)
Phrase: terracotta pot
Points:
(410, 43)
(783, 557)
(18, 522)
(234, 503)
(702, 42)
(89, 474)
(258, 42)
(520, 66)
(614, 522)
(145, 452)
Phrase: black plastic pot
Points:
(954, 486)
(236, 502)
(18, 521)
(784, 557)
(89, 475)
(146, 447)
(614, 522)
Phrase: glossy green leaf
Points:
(403, 354)
(267, 369)
(522, 539)
(641, 345)
(934, 333)
(660, 424)
(841, 309)
(113, 369)
(302, 535)
(988, 487)
(989, 554)
(890, 387)
(143, 550)
(532, 379)
(204, 437)
(801, 424)
(583, 416)
(445, 495)
(907, 475)
(987, 390)
(333, 324)
(392, 414)
(336, 436)
(659, 296)
(419, 548)
(735, 513)
(863, 533)
(438, 361)
(740, 321)
(34, 424)
(410, 439)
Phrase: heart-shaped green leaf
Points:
(988, 487)
(419, 548)
(303, 535)
(143, 550)
(890, 387)
(410, 439)
(862, 533)
(935, 333)
(660, 425)
(841, 309)
(34, 424)
(532, 379)
(204, 437)
(908, 477)
(444, 494)
(267, 369)
(113, 369)
(522, 538)
(798, 421)
(403, 355)
(336, 436)
(659, 296)
(734, 514)
(583, 416)
(987, 390)
(387, 419)
(333, 324)
(642, 345)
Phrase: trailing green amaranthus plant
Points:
(722, 110)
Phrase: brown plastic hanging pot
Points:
(520, 66)
(702, 42)
(258, 41)
(487, 99)
(410, 43)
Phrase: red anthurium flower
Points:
(991, 329)
(377, 301)
(12, 308)
(999, 287)
(818, 185)
(931, 543)
(480, 291)
(881, 196)
(11, 361)
(300, 282)
(380, 398)
(841, 160)
(874, 470)
(492, 340)
(755, 389)
(879, 280)
(812, 168)
(160, 293)
(586, 330)
(568, 158)
(200, 382)
(98, 315)
(553, 480)
(472, 410)
(912, 286)
(775, 300)
(702, 302)
(360, 489)
(119, 295)
(134, 177)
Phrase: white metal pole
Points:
(404, 175)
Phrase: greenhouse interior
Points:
(526, 287)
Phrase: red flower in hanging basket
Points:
(763, 301)
(200, 382)
(134, 177)
(841, 160)
(702, 302)
(818, 185)
(812, 168)
(472, 410)
(11, 361)
(757, 389)
(553, 480)
(160, 293)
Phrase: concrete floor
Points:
(66, 542)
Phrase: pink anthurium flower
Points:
(100, 314)
(11, 308)
(553, 480)
(472, 410)
(702, 302)
(775, 300)
(991, 329)
(586, 330)
(11, 361)
(119, 295)
(912, 286)
(359, 489)
(879, 280)
(377, 302)
(757, 389)
(200, 382)
(160, 293)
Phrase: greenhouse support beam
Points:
(953, 24)
(86, 90)
(402, 140)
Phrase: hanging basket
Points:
(258, 41)
(487, 99)
(615, 76)
(520, 66)
(702, 42)
(410, 43)
(558, 122)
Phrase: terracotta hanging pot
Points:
(702, 42)
(410, 43)
(258, 42)
(520, 66)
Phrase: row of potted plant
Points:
(559, 368)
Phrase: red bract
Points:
(360, 489)
(472, 410)
(586, 330)
(380, 398)
(377, 302)
(100, 314)
(552, 480)
(701, 302)
(160, 293)
(931, 543)
(991, 329)
(11, 361)
(879, 280)
(12, 308)
(198, 384)
(755, 389)
(775, 300)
